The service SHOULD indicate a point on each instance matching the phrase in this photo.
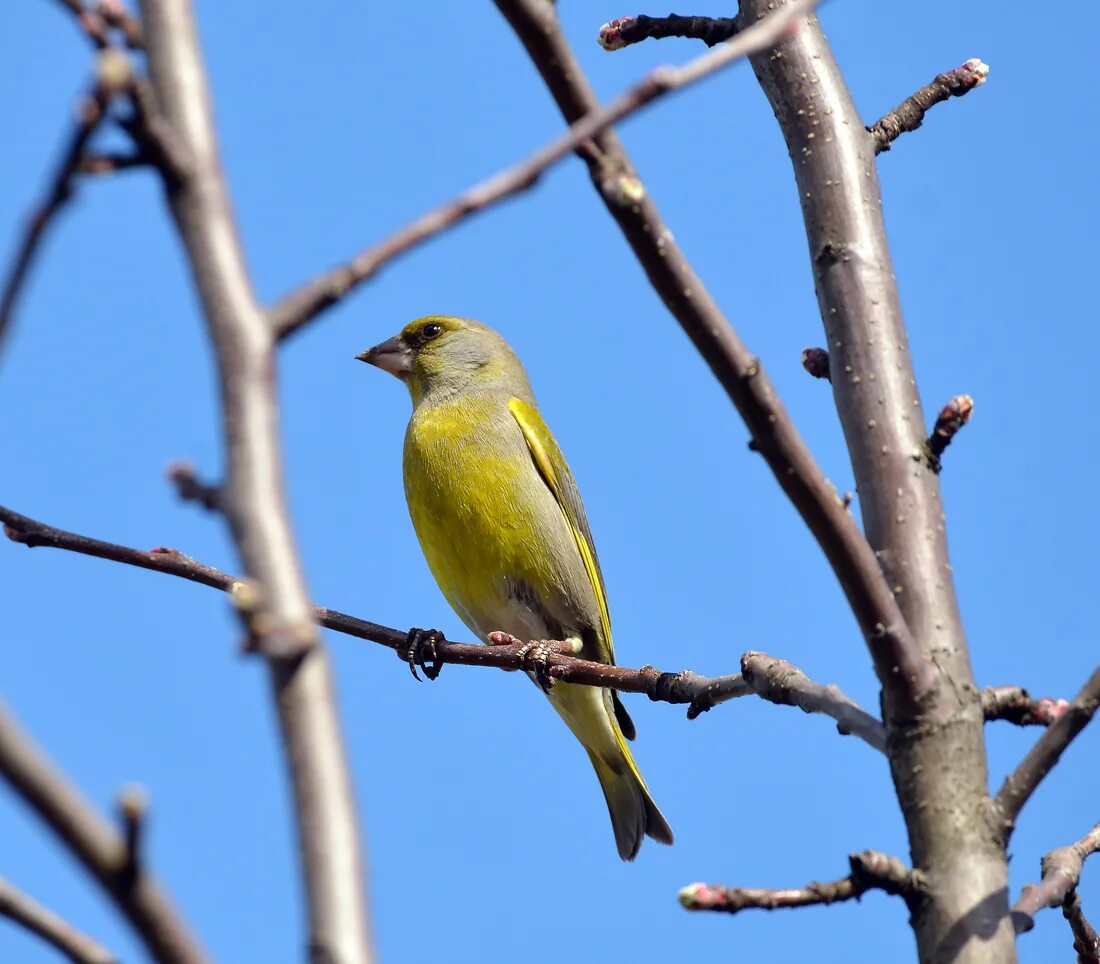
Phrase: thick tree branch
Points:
(112, 74)
(96, 844)
(624, 31)
(909, 114)
(952, 838)
(279, 617)
(739, 372)
(32, 916)
(1061, 872)
(304, 304)
(1086, 942)
(870, 870)
(1022, 782)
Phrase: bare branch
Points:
(98, 22)
(1086, 942)
(113, 73)
(280, 619)
(739, 372)
(624, 31)
(1014, 704)
(32, 916)
(909, 114)
(870, 870)
(96, 844)
(953, 416)
(778, 681)
(1061, 870)
(302, 305)
(1022, 782)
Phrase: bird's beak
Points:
(392, 356)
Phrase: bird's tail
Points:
(590, 714)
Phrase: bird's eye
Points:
(432, 331)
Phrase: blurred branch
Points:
(98, 21)
(301, 306)
(1015, 705)
(96, 844)
(113, 72)
(624, 31)
(1086, 942)
(909, 114)
(737, 370)
(279, 617)
(32, 916)
(1061, 870)
(870, 870)
(1022, 782)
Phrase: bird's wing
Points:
(555, 473)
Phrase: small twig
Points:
(816, 362)
(133, 804)
(98, 22)
(1061, 871)
(303, 304)
(1086, 942)
(870, 870)
(1014, 704)
(953, 416)
(1041, 758)
(909, 114)
(96, 844)
(191, 488)
(113, 73)
(32, 916)
(111, 162)
(781, 682)
(115, 16)
(625, 31)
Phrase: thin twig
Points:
(1061, 870)
(739, 372)
(909, 114)
(1022, 782)
(1086, 942)
(624, 31)
(302, 305)
(98, 22)
(953, 416)
(280, 617)
(113, 73)
(32, 916)
(870, 870)
(781, 682)
(96, 844)
(1016, 705)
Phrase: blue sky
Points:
(339, 124)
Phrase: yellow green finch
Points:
(502, 527)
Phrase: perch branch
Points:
(1022, 782)
(774, 434)
(870, 870)
(32, 916)
(299, 307)
(279, 616)
(909, 114)
(624, 31)
(1061, 871)
(1086, 942)
(96, 844)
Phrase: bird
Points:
(503, 530)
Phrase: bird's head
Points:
(441, 355)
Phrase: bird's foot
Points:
(534, 656)
(420, 650)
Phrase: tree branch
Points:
(1086, 942)
(1061, 872)
(909, 114)
(1022, 782)
(1015, 704)
(280, 617)
(737, 370)
(870, 870)
(953, 416)
(32, 916)
(624, 31)
(96, 844)
(303, 304)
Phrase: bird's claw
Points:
(420, 650)
(534, 657)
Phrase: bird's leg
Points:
(420, 647)
(534, 656)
